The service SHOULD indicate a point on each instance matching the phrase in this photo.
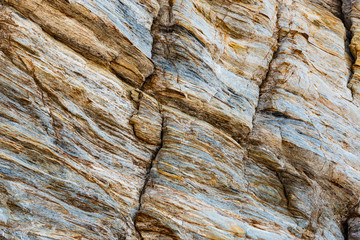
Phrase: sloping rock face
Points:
(180, 119)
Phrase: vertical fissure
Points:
(274, 49)
(345, 17)
(351, 223)
(345, 229)
(148, 173)
(165, 6)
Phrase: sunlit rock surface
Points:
(180, 119)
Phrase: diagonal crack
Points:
(274, 51)
(347, 21)
(148, 80)
(148, 175)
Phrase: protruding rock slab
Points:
(244, 109)
(70, 164)
(198, 188)
(211, 58)
(90, 34)
(147, 121)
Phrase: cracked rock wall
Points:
(179, 119)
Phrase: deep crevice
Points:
(275, 50)
(350, 213)
(148, 174)
(286, 193)
(345, 229)
(154, 28)
(347, 22)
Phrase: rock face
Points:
(180, 119)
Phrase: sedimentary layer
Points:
(179, 119)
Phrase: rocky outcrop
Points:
(179, 119)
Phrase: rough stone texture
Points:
(352, 10)
(179, 119)
(71, 165)
(211, 57)
(147, 120)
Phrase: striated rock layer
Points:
(180, 119)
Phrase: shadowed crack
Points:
(273, 51)
(345, 17)
(148, 176)
(267, 84)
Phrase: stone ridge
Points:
(179, 119)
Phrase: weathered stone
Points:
(211, 58)
(198, 188)
(180, 119)
(147, 121)
(92, 36)
(71, 167)
(351, 10)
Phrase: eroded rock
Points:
(184, 119)
(147, 120)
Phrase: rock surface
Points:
(179, 119)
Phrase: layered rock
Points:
(300, 140)
(181, 119)
(304, 114)
(211, 58)
(351, 11)
(71, 165)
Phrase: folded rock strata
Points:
(179, 119)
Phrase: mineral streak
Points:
(180, 119)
